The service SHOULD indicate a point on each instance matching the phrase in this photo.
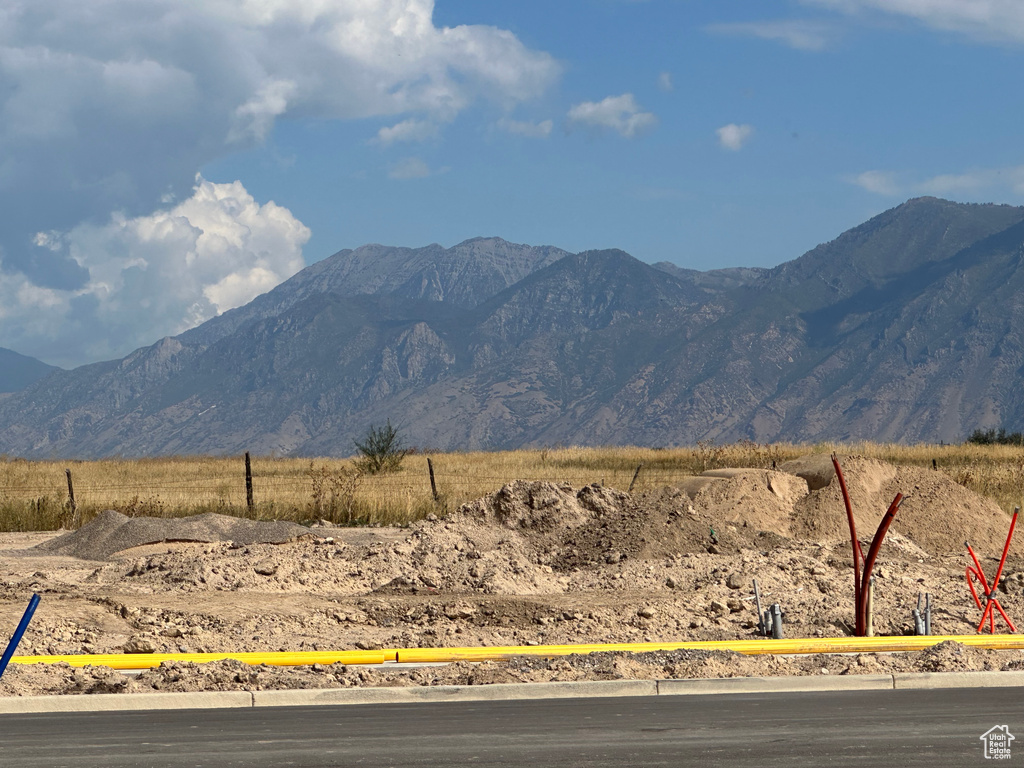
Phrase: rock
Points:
(265, 567)
(645, 613)
(712, 549)
(717, 606)
(734, 605)
(735, 580)
(140, 644)
(817, 570)
(1014, 582)
(613, 557)
(816, 470)
(671, 583)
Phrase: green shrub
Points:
(382, 450)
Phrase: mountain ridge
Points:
(907, 327)
(18, 371)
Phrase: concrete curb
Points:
(775, 684)
(128, 702)
(435, 693)
(506, 692)
(1012, 678)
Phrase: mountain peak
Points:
(18, 371)
(920, 231)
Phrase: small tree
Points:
(382, 450)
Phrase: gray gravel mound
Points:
(111, 532)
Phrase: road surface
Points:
(869, 728)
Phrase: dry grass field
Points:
(34, 494)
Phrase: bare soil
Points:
(533, 563)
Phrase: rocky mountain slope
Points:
(908, 327)
(18, 371)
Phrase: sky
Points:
(162, 161)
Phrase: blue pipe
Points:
(13, 645)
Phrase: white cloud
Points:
(255, 118)
(154, 275)
(539, 130)
(878, 182)
(993, 20)
(114, 105)
(990, 181)
(733, 137)
(802, 34)
(407, 130)
(1010, 179)
(409, 168)
(665, 81)
(618, 113)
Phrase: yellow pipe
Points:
(442, 655)
(153, 660)
(746, 647)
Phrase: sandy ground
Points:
(533, 563)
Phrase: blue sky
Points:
(166, 160)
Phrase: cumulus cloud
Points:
(115, 105)
(733, 137)
(618, 113)
(993, 20)
(802, 34)
(153, 275)
(539, 130)
(407, 130)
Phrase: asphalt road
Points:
(869, 728)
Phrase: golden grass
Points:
(34, 494)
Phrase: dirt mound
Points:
(816, 469)
(937, 514)
(111, 532)
(758, 498)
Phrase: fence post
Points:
(433, 485)
(635, 476)
(71, 498)
(248, 484)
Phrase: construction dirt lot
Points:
(534, 563)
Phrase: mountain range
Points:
(909, 327)
(18, 371)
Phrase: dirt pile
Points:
(111, 532)
(937, 514)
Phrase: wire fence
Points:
(49, 494)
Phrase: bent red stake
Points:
(858, 555)
(869, 563)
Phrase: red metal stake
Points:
(862, 567)
(876, 544)
(991, 603)
(858, 555)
